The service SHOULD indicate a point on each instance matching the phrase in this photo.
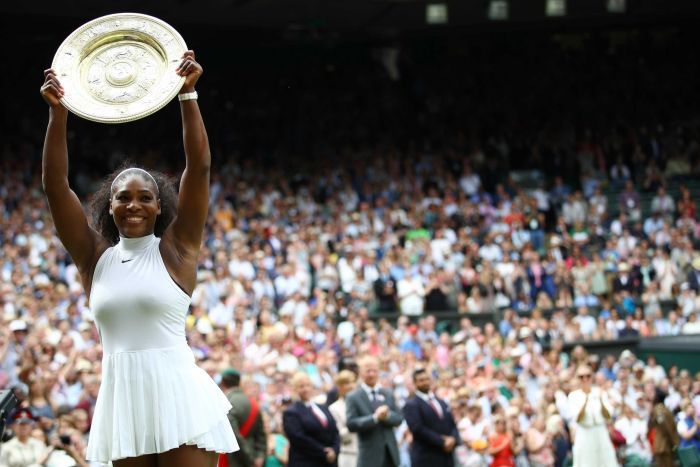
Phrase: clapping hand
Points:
(450, 443)
(330, 455)
(382, 412)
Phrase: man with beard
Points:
(430, 420)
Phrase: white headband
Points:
(132, 169)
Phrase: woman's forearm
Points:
(55, 153)
(582, 413)
(194, 136)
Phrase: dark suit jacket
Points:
(428, 430)
(308, 437)
(374, 438)
(693, 281)
(632, 285)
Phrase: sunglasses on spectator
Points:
(585, 376)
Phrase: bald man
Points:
(373, 415)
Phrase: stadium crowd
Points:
(300, 262)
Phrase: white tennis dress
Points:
(153, 396)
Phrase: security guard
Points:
(247, 422)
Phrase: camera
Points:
(65, 439)
(8, 402)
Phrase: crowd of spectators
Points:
(303, 256)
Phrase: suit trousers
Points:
(388, 462)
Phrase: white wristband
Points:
(187, 96)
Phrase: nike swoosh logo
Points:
(127, 260)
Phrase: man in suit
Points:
(693, 276)
(627, 279)
(435, 433)
(373, 415)
(310, 428)
(247, 422)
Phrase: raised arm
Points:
(193, 201)
(79, 239)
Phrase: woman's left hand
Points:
(190, 69)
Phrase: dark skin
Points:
(134, 207)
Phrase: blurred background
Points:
(496, 190)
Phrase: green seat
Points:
(633, 460)
(443, 326)
(689, 457)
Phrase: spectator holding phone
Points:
(65, 450)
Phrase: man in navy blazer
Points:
(310, 428)
(430, 420)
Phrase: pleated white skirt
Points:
(593, 448)
(152, 401)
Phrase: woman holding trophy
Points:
(137, 262)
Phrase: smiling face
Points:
(303, 387)
(134, 206)
(585, 376)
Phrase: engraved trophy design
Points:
(120, 67)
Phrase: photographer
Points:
(65, 450)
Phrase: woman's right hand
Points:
(51, 90)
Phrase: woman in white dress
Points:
(591, 411)
(345, 382)
(138, 262)
(666, 273)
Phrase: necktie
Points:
(319, 414)
(375, 399)
(436, 406)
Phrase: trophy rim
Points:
(79, 110)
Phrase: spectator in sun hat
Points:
(19, 329)
(18, 325)
(23, 416)
(627, 360)
(23, 449)
(18, 335)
